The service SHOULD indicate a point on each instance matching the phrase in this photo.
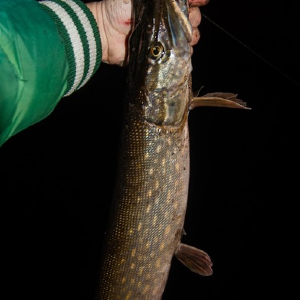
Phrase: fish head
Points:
(160, 61)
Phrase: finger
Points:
(198, 2)
(195, 16)
(195, 37)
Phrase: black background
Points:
(57, 176)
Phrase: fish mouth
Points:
(177, 12)
(174, 14)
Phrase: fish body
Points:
(150, 200)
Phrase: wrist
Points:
(98, 12)
(114, 23)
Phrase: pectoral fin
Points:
(218, 99)
(195, 259)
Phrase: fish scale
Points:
(150, 199)
(149, 219)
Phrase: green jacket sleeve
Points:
(48, 50)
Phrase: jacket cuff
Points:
(79, 30)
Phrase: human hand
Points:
(195, 18)
(114, 22)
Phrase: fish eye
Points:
(156, 50)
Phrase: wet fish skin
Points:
(150, 200)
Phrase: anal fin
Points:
(195, 259)
(218, 99)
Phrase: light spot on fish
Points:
(133, 252)
(152, 254)
(147, 245)
(154, 220)
(169, 196)
(146, 289)
(148, 208)
(166, 214)
(157, 263)
(151, 171)
(157, 185)
(139, 226)
(149, 193)
(128, 295)
(132, 281)
(141, 270)
(123, 280)
(122, 261)
(167, 230)
(177, 167)
(162, 246)
(175, 205)
(132, 266)
(131, 231)
(158, 149)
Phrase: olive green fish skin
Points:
(149, 215)
(150, 199)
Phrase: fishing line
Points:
(252, 51)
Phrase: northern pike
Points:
(150, 200)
